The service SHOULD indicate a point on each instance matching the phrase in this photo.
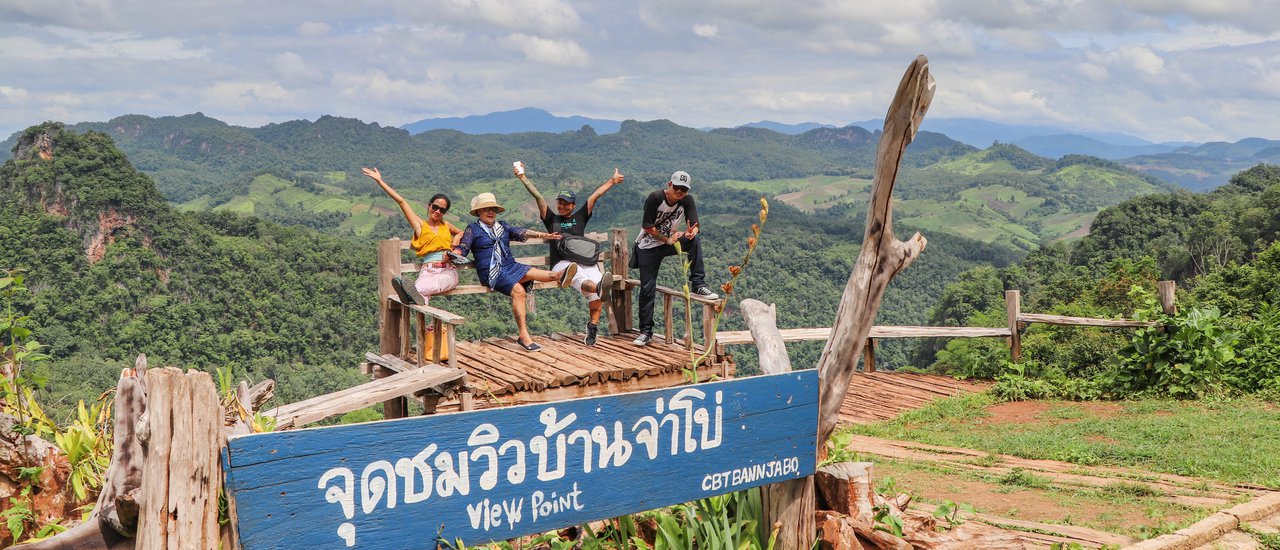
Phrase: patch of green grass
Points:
(1130, 488)
(1231, 440)
(1022, 478)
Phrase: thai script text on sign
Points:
(501, 473)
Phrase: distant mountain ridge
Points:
(528, 119)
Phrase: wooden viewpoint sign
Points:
(497, 474)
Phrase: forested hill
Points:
(115, 271)
(307, 173)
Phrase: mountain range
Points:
(1195, 166)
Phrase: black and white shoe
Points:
(643, 339)
(566, 278)
(702, 291)
(605, 288)
(406, 296)
(590, 340)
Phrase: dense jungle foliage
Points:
(1219, 247)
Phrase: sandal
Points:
(531, 346)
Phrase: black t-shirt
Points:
(574, 224)
(666, 218)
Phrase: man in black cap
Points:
(664, 212)
(567, 220)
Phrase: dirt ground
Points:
(1093, 505)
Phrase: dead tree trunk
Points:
(161, 488)
(882, 256)
(788, 506)
(791, 505)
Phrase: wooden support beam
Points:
(730, 337)
(708, 327)
(668, 331)
(390, 387)
(869, 355)
(1167, 296)
(1063, 320)
(389, 340)
(620, 308)
(1013, 310)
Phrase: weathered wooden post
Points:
(161, 488)
(620, 304)
(869, 356)
(1167, 296)
(389, 333)
(1012, 308)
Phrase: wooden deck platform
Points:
(880, 396)
(501, 373)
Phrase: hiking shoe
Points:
(643, 339)
(566, 278)
(590, 340)
(402, 293)
(703, 291)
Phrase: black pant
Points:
(649, 260)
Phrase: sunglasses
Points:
(440, 209)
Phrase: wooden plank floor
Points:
(883, 395)
(501, 373)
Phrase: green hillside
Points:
(294, 302)
(307, 173)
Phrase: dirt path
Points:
(1051, 501)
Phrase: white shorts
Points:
(585, 273)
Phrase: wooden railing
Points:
(1017, 322)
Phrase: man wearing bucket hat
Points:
(489, 240)
(564, 218)
(665, 210)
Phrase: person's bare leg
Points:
(594, 307)
(541, 276)
(518, 310)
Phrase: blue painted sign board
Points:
(497, 474)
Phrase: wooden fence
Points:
(1012, 333)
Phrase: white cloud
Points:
(16, 96)
(314, 29)
(291, 67)
(241, 95)
(541, 17)
(550, 52)
(706, 31)
(1161, 69)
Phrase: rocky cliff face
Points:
(83, 180)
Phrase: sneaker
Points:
(566, 278)
(703, 291)
(590, 340)
(605, 288)
(406, 298)
(643, 339)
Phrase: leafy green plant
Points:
(949, 512)
(1187, 355)
(838, 448)
(886, 521)
(19, 514)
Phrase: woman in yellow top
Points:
(432, 238)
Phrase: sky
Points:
(1161, 70)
